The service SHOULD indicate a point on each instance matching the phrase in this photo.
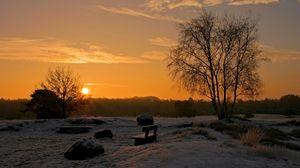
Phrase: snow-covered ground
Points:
(37, 144)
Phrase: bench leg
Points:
(144, 141)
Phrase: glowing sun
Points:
(85, 91)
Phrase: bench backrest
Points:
(148, 128)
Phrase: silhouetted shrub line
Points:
(10, 109)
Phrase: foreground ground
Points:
(36, 144)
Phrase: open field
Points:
(35, 143)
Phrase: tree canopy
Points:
(218, 57)
(45, 104)
(66, 85)
(59, 95)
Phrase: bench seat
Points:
(146, 137)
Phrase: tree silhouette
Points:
(66, 86)
(290, 104)
(45, 104)
(217, 57)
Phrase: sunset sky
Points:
(119, 46)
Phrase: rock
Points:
(103, 134)
(9, 128)
(145, 119)
(295, 133)
(185, 125)
(241, 118)
(73, 129)
(85, 121)
(83, 149)
(40, 121)
(249, 115)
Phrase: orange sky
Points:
(119, 47)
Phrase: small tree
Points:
(217, 57)
(45, 104)
(66, 86)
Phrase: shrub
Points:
(249, 115)
(232, 129)
(273, 133)
(271, 152)
(204, 133)
(295, 133)
(252, 137)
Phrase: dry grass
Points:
(252, 137)
(204, 133)
(271, 152)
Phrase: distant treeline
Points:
(11, 109)
(286, 105)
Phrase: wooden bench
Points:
(146, 137)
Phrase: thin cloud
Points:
(160, 5)
(157, 5)
(185, 3)
(212, 2)
(163, 42)
(125, 11)
(280, 55)
(104, 84)
(58, 51)
(154, 55)
(251, 2)
(136, 13)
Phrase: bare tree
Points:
(218, 57)
(66, 85)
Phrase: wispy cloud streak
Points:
(249, 2)
(163, 42)
(104, 84)
(59, 51)
(161, 5)
(154, 55)
(280, 55)
(137, 13)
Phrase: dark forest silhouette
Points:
(286, 105)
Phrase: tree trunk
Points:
(64, 115)
(234, 99)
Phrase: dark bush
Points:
(232, 129)
(273, 133)
(249, 115)
(45, 104)
(296, 133)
